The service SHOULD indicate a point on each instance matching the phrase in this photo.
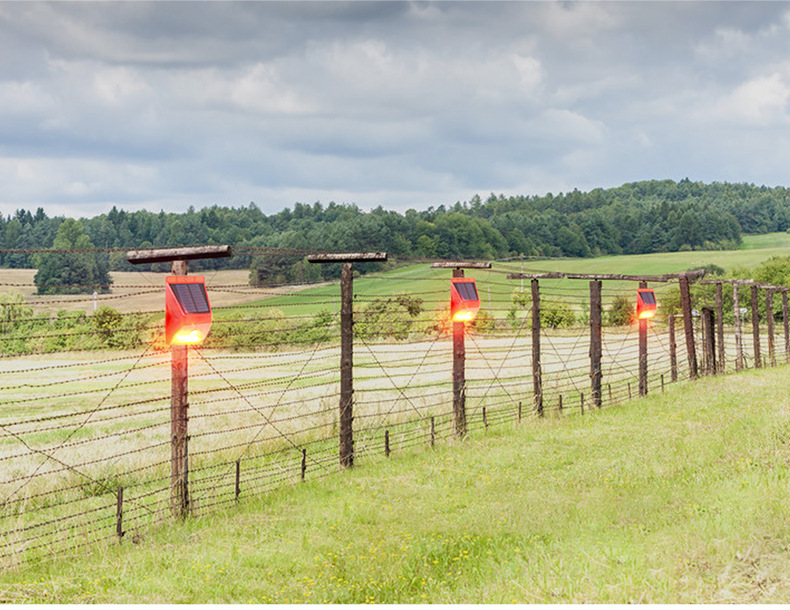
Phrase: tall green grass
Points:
(677, 498)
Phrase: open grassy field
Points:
(677, 498)
(495, 289)
(142, 291)
(132, 291)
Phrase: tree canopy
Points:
(635, 218)
(71, 272)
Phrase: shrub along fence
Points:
(87, 445)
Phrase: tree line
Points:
(635, 218)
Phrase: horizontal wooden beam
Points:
(348, 257)
(605, 276)
(460, 265)
(549, 275)
(185, 253)
(739, 282)
(616, 276)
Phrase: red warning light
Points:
(464, 300)
(645, 303)
(187, 310)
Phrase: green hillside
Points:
(432, 284)
(669, 499)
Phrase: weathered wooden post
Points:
(537, 372)
(709, 340)
(736, 312)
(537, 375)
(769, 317)
(596, 342)
(756, 329)
(786, 324)
(119, 513)
(673, 351)
(722, 359)
(459, 350)
(346, 414)
(688, 324)
(179, 371)
(642, 352)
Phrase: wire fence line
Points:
(85, 435)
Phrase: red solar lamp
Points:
(187, 310)
(464, 300)
(645, 303)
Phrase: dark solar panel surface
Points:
(467, 290)
(648, 298)
(192, 297)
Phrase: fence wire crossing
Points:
(85, 449)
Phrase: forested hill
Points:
(638, 217)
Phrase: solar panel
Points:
(192, 297)
(648, 298)
(467, 290)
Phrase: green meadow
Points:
(680, 497)
(495, 289)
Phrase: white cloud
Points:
(760, 101)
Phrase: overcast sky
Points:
(406, 105)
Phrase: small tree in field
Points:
(621, 312)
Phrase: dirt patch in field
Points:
(134, 291)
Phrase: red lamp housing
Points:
(645, 303)
(187, 310)
(464, 300)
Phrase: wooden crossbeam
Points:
(348, 257)
(549, 275)
(606, 276)
(185, 253)
(460, 265)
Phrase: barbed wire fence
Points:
(86, 439)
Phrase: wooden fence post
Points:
(537, 376)
(119, 513)
(786, 324)
(596, 342)
(722, 359)
(756, 329)
(459, 373)
(673, 351)
(709, 340)
(304, 463)
(736, 311)
(179, 419)
(643, 352)
(688, 325)
(386, 443)
(346, 415)
(769, 317)
(237, 488)
(347, 365)
(433, 431)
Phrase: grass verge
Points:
(677, 498)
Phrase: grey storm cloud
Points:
(403, 104)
